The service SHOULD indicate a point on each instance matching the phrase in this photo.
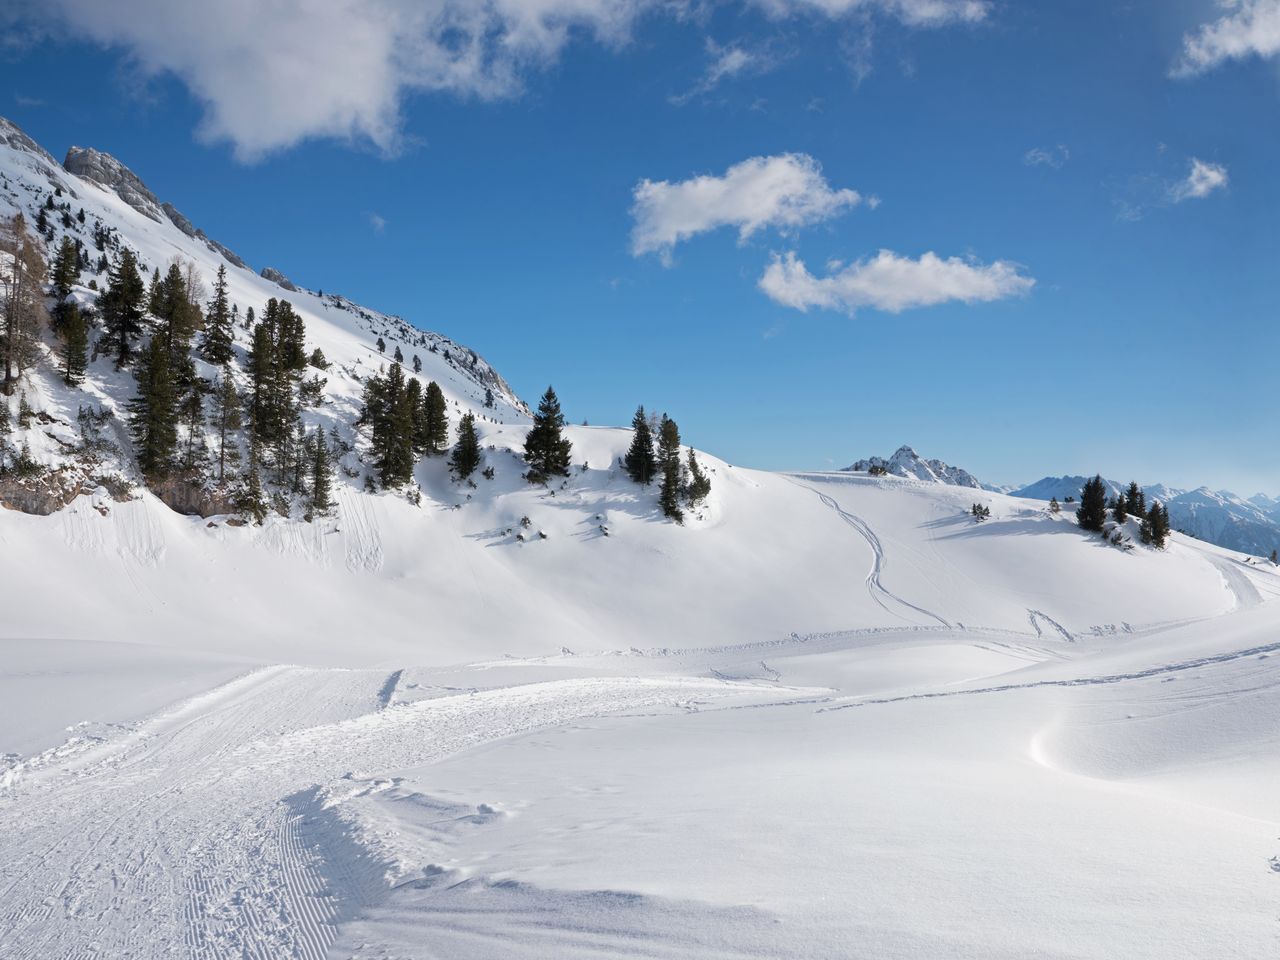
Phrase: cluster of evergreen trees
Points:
(1094, 507)
(681, 482)
(408, 422)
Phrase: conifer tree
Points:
(321, 477)
(191, 413)
(488, 398)
(1055, 506)
(121, 307)
(64, 274)
(75, 345)
(1158, 518)
(172, 306)
(640, 461)
(153, 413)
(466, 452)
(699, 482)
(669, 464)
(219, 334)
(1120, 509)
(253, 501)
(1135, 500)
(226, 418)
(398, 355)
(434, 421)
(546, 449)
(417, 363)
(1092, 513)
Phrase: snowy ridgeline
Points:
(77, 438)
(1218, 517)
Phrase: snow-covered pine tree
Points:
(153, 413)
(546, 449)
(434, 421)
(465, 457)
(1092, 513)
(219, 333)
(121, 307)
(699, 483)
(669, 464)
(640, 461)
(75, 345)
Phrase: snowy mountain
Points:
(523, 720)
(908, 464)
(1222, 518)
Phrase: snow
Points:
(831, 715)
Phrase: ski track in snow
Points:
(1265, 650)
(199, 833)
(879, 592)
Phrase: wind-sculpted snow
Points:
(200, 827)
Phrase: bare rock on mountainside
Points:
(910, 465)
(276, 277)
(110, 174)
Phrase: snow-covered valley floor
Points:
(997, 758)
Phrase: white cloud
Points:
(1247, 28)
(787, 191)
(377, 221)
(1203, 179)
(271, 74)
(1053, 157)
(725, 63)
(916, 13)
(892, 283)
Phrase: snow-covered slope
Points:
(1219, 517)
(906, 463)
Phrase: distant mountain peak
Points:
(908, 464)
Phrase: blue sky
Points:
(1095, 182)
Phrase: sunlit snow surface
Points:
(1022, 743)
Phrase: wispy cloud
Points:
(1247, 28)
(25, 101)
(786, 192)
(891, 282)
(377, 221)
(1052, 157)
(726, 63)
(1203, 179)
(264, 72)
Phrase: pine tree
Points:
(488, 398)
(1158, 516)
(669, 463)
(433, 422)
(640, 461)
(321, 476)
(546, 449)
(75, 345)
(64, 274)
(1135, 500)
(153, 413)
(252, 501)
(1092, 513)
(219, 333)
(466, 452)
(226, 418)
(121, 307)
(178, 318)
(191, 413)
(1120, 509)
(699, 482)
(399, 357)
(417, 363)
